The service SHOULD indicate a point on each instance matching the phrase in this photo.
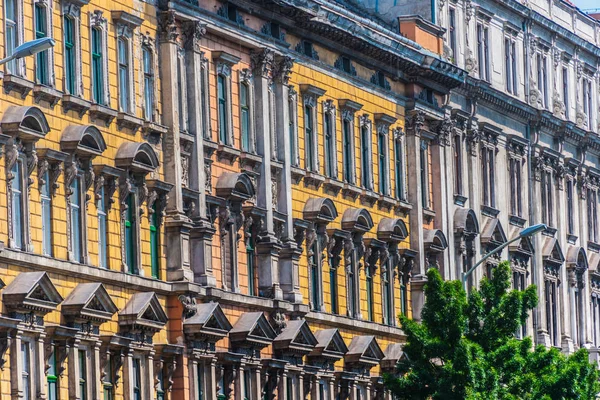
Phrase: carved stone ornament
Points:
(282, 70)
(167, 26)
(262, 62)
(194, 31)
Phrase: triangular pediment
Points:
(552, 251)
(330, 344)
(33, 291)
(364, 350)
(493, 232)
(208, 323)
(296, 337)
(252, 329)
(143, 309)
(89, 301)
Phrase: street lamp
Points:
(30, 48)
(527, 232)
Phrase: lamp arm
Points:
(466, 275)
(7, 59)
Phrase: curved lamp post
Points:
(527, 232)
(30, 48)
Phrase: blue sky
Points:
(583, 4)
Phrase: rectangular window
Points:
(547, 198)
(565, 78)
(452, 32)
(329, 145)
(222, 99)
(292, 132)
(97, 67)
(552, 311)
(403, 295)
(148, 65)
(308, 49)
(200, 382)
(587, 101)
(102, 230)
(595, 319)
(12, 32)
(245, 116)
(388, 294)
(515, 187)
(365, 146)
(41, 31)
(69, 40)
(77, 216)
(137, 379)
(348, 138)
(130, 235)
(52, 377)
(458, 160)
(309, 138)
(83, 374)
(247, 384)
(351, 295)
(399, 169)
(592, 208)
(123, 52)
(510, 49)
(383, 169)
(250, 255)
(26, 374)
(160, 385)
(314, 263)
(155, 244)
(46, 200)
(17, 204)
(333, 285)
(488, 161)
(542, 78)
(107, 382)
(483, 52)
(182, 91)
(570, 209)
(424, 170)
(370, 294)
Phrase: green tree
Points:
(465, 348)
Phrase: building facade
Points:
(213, 200)
(523, 149)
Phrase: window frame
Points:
(16, 173)
(588, 103)
(46, 57)
(383, 158)
(224, 121)
(99, 24)
(511, 65)
(366, 154)
(130, 226)
(348, 147)
(488, 164)
(311, 159)
(102, 215)
(76, 191)
(46, 214)
(154, 225)
(400, 165)
(483, 51)
(16, 66)
(566, 90)
(124, 72)
(542, 78)
(293, 127)
(247, 108)
(424, 149)
(452, 31)
(75, 86)
(182, 103)
(149, 69)
(330, 139)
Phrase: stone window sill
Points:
(14, 83)
(129, 121)
(75, 103)
(103, 113)
(47, 94)
(227, 153)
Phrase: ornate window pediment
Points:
(393, 353)
(296, 338)
(137, 157)
(552, 253)
(142, 314)
(330, 345)
(252, 330)
(434, 240)
(363, 352)
(319, 210)
(207, 322)
(83, 140)
(31, 292)
(89, 302)
(493, 233)
(392, 230)
(357, 220)
(24, 122)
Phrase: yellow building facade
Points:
(208, 199)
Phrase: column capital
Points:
(262, 62)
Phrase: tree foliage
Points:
(465, 348)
